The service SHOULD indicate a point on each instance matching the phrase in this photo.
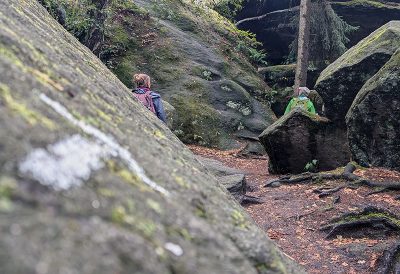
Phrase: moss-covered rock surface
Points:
(90, 182)
(373, 120)
(340, 82)
(199, 61)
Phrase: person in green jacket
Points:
(301, 101)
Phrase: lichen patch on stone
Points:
(66, 164)
(104, 147)
(174, 249)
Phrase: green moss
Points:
(200, 211)
(120, 35)
(128, 176)
(127, 5)
(238, 219)
(201, 127)
(106, 192)
(154, 206)
(123, 216)
(146, 227)
(10, 55)
(180, 232)
(279, 69)
(370, 215)
(180, 181)
(158, 134)
(118, 215)
(8, 186)
(124, 68)
(195, 87)
(103, 115)
(30, 116)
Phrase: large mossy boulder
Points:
(373, 121)
(91, 182)
(197, 60)
(340, 82)
(300, 138)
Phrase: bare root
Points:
(347, 175)
(370, 218)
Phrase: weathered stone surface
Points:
(340, 82)
(233, 180)
(189, 52)
(253, 148)
(373, 121)
(298, 138)
(217, 168)
(170, 111)
(91, 182)
(235, 184)
(282, 76)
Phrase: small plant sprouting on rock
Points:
(312, 166)
(207, 75)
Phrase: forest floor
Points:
(291, 215)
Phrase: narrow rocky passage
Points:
(292, 216)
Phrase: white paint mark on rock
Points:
(66, 164)
(174, 249)
(107, 140)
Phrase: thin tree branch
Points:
(257, 18)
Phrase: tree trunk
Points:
(303, 44)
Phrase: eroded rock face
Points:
(91, 182)
(340, 82)
(373, 121)
(190, 54)
(298, 138)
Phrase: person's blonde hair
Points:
(142, 80)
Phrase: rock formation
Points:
(340, 82)
(373, 121)
(193, 56)
(91, 182)
(299, 138)
(362, 84)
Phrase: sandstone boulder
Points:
(190, 53)
(373, 121)
(340, 82)
(233, 180)
(91, 182)
(299, 138)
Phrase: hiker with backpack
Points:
(151, 100)
(302, 101)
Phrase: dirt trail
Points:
(292, 216)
